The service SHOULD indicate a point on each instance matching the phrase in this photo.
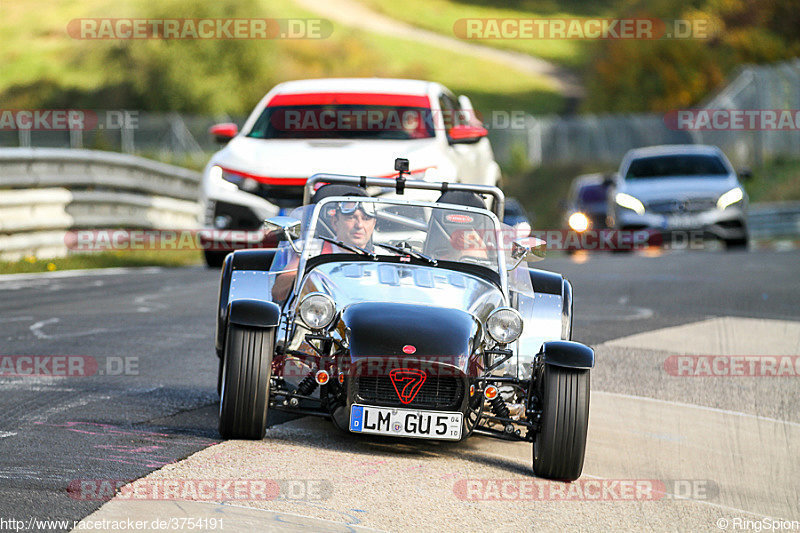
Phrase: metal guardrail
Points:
(44, 193)
(774, 220)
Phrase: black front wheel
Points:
(560, 445)
(246, 367)
(214, 259)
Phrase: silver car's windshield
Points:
(429, 233)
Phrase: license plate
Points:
(681, 221)
(405, 422)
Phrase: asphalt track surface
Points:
(715, 449)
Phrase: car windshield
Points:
(390, 227)
(676, 165)
(337, 121)
(592, 194)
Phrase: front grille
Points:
(692, 205)
(438, 392)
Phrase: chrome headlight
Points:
(729, 198)
(504, 325)
(317, 310)
(629, 202)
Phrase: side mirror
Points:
(465, 134)
(746, 174)
(608, 180)
(528, 249)
(287, 227)
(223, 133)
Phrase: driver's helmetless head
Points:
(354, 222)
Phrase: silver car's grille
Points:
(691, 205)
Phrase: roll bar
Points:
(392, 183)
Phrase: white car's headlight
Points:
(504, 325)
(317, 310)
(731, 197)
(629, 202)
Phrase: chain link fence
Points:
(539, 140)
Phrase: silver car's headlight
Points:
(629, 202)
(317, 310)
(729, 198)
(504, 325)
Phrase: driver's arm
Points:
(284, 281)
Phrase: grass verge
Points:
(103, 260)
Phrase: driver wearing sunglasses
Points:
(353, 222)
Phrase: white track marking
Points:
(695, 406)
(36, 329)
(720, 336)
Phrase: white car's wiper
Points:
(402, 250)
(351, 247)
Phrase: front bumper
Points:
(726, 224)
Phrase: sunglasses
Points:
(348, 208)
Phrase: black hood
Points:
(384, 329)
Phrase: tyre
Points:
(219, 374)
(244, 398)
(213, 258)
(559, 447)
(737, 244)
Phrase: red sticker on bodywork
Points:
(459, 218)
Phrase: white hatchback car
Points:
(347, 126)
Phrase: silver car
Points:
(407, 319)
(688, 190)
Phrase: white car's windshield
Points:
(352, 121)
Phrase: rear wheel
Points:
(244, 398)
(560, 445)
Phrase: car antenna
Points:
(401, 166)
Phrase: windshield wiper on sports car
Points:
(407, 250)
(350, 247)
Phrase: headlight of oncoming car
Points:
(317, 310)
(504, 325)
(729, 198)
(629, 202)
(242, 181)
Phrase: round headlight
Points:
(317, 310)
(504, 325)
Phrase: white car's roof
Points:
(673, 149)
(356, 85)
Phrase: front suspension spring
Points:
(499, 407)
(307, 386)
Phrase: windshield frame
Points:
(305, 254)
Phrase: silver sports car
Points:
(406, 318)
